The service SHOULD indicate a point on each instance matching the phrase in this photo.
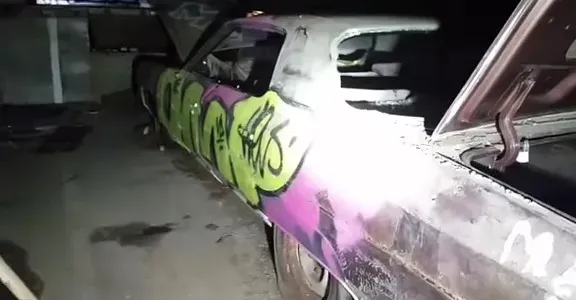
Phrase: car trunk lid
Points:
(528, 71)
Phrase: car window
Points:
(391, 65)
(244, 59)
(409, 73)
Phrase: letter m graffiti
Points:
(538, 249)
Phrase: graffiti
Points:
(214, 145)
(167, 100)
(563, 286)
(197, 15)
(252, 144)
(252, 137)
(190, 115)
(272, 147)
(539, 249)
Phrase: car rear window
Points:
(413, 73)
(388, 66)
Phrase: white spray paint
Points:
(539, 248)
(563, 285)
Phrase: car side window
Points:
(245, 59)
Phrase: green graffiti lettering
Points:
(164, 95)
(172, 110)
(268, 146)
(214, 143)
(190, 117)
(257, 146)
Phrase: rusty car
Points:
(384, 168)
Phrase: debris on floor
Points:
(47, 128)
(139, 234)
(115, 220)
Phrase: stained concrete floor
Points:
(116, 220)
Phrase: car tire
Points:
(293, 282)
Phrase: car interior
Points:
(248, 66)
(407, 73)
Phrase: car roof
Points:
(341, 23)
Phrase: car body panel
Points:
(238, 133)
(366, 192)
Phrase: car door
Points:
(169, 98)
(180, 92)
(234, 114)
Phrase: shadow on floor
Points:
(17, 258)
(189, 165)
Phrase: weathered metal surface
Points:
(365, 192)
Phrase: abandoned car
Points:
(382, 171)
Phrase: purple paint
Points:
(297, 205)
(227, 95)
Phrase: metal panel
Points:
(186, 23)
(25, 73)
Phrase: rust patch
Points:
(380, 229)
(418, 242)
(455, 204)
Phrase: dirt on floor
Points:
(114, 219)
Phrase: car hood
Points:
(529, 70)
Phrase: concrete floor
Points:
(116, 220)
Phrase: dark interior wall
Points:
(25, 76)
(143, 33)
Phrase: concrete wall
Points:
(44, 60)
(25, 73)
(26, 65)
(110, 72)
(75, 66)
